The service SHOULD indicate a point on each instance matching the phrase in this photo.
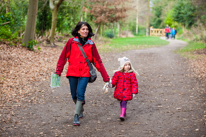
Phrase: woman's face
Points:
(83, 31)
(127, 66)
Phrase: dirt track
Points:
(169, 103)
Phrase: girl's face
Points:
(127, 66)
(83, 31)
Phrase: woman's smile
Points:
(84, 31)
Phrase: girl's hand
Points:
(133, 95)
(110, 84)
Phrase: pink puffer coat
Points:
(126, 85)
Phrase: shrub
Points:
(109, 34)
(5, 32)
(30, 45)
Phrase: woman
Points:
(78, 70)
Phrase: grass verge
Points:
(189, 50)
(129, 43)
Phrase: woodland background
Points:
(32, 33)
(22, 21)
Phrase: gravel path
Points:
(169, 103)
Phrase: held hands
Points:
(110, 84)
(107, 85)
(105, 88)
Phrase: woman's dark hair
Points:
(78, 27)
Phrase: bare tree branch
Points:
(2, 6)
(45, 4)
(59, 2)
(5, 23)
(51, 4)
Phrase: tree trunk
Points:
(31, 22)
(183, 29)
(101, 30)
(85, 16)
(137, 23)
(97, 30)
(54, 9)
(113, 29)
(81, 15)
(2, 6)
(147, 25)
(7, 6)
(127, 29)
(119, 29)
(137, 16)
(54, 23)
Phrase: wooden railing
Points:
(157, 32)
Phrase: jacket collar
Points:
(129, 71)
(89, 41)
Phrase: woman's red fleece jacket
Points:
(78, 66)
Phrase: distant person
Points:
(170, 33)
(78, 72)
(126, 84)
(173, 32)
(167, 30)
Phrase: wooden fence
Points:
(157, 32)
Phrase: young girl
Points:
(126, 84)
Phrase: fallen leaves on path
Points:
(21, 67)
(198, 65)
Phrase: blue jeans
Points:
(167, 35)
(173, 36)
(78, 87)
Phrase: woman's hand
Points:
(107, 85)
(105, 88)
(57, 74)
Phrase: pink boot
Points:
(122, 115)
